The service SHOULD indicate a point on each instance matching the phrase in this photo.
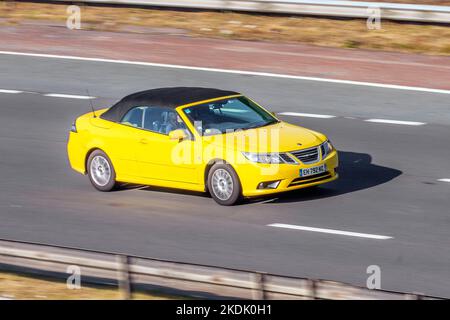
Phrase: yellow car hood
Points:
(279, 137)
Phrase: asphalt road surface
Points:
(389, 181)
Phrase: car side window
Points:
(134, 117)
(157, 119)
(162, 120)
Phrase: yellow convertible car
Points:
(198, 139)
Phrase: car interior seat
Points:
(134, 118)
(164, 118)
(152, 120)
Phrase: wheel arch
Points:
(88, 153)
(210, 164)
(208, 167)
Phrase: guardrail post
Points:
(258, 292)
(413, 296)
(312, 288)
(123, 276)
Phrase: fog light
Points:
(269, 185)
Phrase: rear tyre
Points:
(224, 185)
(101, 171)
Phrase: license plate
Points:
(313, 170)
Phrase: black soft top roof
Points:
(163, 97)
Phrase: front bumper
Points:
(252, 174)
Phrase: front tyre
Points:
(224, 185)
(101, 171)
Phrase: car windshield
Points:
(228, 115)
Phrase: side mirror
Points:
(178, 134)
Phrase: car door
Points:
(159, 157)
(122, 144)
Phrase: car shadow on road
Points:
(356, 172)
(131, 186)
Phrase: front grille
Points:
(286, 158)
(310, 179)
(307, 156)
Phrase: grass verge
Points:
(403, 37)
(19, 287)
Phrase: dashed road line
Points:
(407, 123)
(9, 91)
(67, 96)
(444, 180)
(308, 115)
(327, 116)
(331, 231)
(295, 114)
(55, 95)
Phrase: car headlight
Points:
(269, 158)
(326, 147)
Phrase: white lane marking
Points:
(444, 180)
(68, 96)
(308, 115)
(10, 91)
(231, 71)
(408, 123)
(331, 231)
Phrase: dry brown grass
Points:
(393, 36)
(17, 287)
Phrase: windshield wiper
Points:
(262, 125)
